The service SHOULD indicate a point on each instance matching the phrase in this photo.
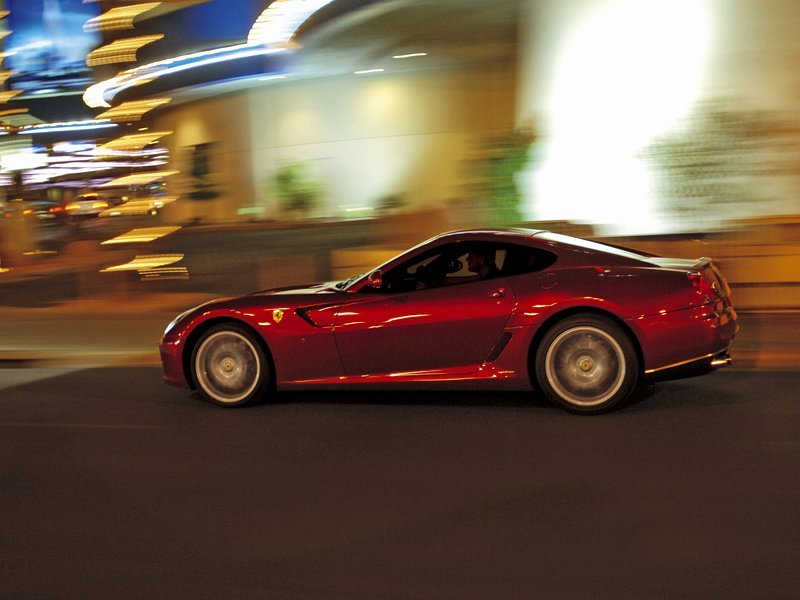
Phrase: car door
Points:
(452, 327)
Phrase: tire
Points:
(229, 367)
(586, 364)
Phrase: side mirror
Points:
(375, 280)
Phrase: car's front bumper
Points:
(171, 350)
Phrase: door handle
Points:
(499, 293)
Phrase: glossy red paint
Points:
(465, 332)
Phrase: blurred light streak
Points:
(133, 154)
(144, 262)
(369, 71)
(78, 168)
(133, 142)
(411, 55)
(73, 147)
(161, 273)
(142, 235)
(281, 19)
(627, 73)
(133, 110)
(8, 112)
(22, 161)
(118, 51)
(270, 34)
(100, 94)
(7, 95)
(138, 179)
(138, 206)
(67, 126)
(121, 17)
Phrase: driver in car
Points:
(481, 261)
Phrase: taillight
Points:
(703, 285)
(100, 204)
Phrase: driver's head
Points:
(480, 258)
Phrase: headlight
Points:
(175, 321)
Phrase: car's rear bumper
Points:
(690, 368)
(697, 336)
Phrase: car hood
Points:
(301, 290)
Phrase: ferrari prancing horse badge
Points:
(277, 315)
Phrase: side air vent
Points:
(501, 343)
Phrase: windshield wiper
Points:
(343, 284)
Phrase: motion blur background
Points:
(153, 154)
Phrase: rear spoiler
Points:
(704, 265)
(709, 270)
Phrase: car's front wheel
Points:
(229, 366)
(586, 364)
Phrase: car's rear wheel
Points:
(586, 364)
(229, 366)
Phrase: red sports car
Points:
(580, 321)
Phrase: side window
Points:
(524, 259)
(419, 273)
(477, 261)
(452, 264)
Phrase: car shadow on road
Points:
(136, 384)
(385, 397)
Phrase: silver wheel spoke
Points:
(228, 367)
(585, 365)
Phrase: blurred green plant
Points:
(724, 155)
(297, 189)
(494, 169)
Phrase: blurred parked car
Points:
(45, 211)
(87, 205)
(138, 207)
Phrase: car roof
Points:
(489, 233)
(590, 245)
(557, 242)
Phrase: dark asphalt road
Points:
(115, 486)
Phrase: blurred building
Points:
(380, 102)
(350, 107)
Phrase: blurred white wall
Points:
(222, 122)
(605, 78)
(369, 137)
(365, 137)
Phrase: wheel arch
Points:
(579, 310)
(197, 333)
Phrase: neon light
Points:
(63, 127)
(100, 94)
(281, 19)
(270, 34)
